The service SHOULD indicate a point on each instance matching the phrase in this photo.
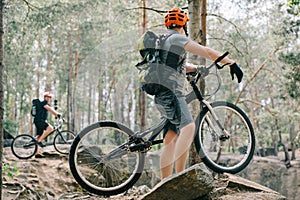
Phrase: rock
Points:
(198, 183)
(232, 187)
(251, 196)
(195, 182)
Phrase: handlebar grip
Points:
(221, 57)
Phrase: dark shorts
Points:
(40, 127)
(176, 110)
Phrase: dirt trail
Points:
(47, 178)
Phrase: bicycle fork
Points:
(224, 133)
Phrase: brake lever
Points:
(203, 71)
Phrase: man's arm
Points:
(212, 54)
(206, 52)
(51, 110)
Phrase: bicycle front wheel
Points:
(223, 152)
(24, 146)
(63, 140)
(100, 160)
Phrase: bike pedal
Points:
(224, 138)
(41, 144)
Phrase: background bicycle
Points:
(25, 146)
(107, 158)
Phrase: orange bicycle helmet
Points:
(176, 17)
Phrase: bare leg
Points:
(183, 144)
(167, 155)
(48, 130)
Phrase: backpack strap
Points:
(144, 61)
(162, 39)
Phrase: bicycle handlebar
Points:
(59, 122)
(221, 57)
(215, 63)
(203, 71)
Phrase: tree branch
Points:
(255, 74)
(147, 8)
(29, 7)
(273, 113)
(234, 25)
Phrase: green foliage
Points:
(9, 170)
(293, 77)
(290, 58)
(11, 126)
(294, 7)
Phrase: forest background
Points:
(85, 51)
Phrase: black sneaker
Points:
(41, 144)
(39, 155)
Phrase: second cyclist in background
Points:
(43, 128)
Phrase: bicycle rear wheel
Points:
(219, 153)
(100, 160)
(63, 140)
(24, 146)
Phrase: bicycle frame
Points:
(57, 128)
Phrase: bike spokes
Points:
(24, 146)
(102, 160)
(63, 140)
(226, 149)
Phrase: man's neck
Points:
(179, 30)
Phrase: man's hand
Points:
(236, 70)
(189, 67)
(58, 115)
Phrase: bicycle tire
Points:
(225, 155)
(24, 146)
(99, 163)
(63, 145)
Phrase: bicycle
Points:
(25, 146)
(107, 158)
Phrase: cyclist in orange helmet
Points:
(179, 132)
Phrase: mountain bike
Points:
(107, 158)
(25, 146)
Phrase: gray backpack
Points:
(149, 46)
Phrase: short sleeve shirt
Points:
(171, 103)
(174, 56)
(42, 113)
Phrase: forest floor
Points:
(50, 178)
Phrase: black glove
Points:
(235, 69)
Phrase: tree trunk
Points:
(197, 12)
(142, 95)
(99, 87)
(74, 91)
(49, 61)
(1, 92)
(69, 92)
(292, 136)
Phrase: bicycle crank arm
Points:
(141, 147)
